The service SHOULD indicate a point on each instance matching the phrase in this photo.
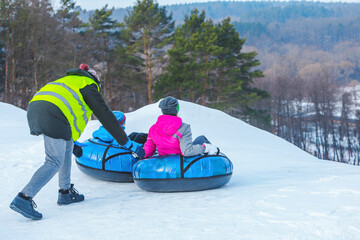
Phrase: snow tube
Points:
(105, 161)
(176, 173)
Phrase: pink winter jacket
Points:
(164, 136)
(169, 135)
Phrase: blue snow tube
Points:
(176, 173)
(105, 161)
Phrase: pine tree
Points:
(127, 68)
(69, 13)
(106, 32)
(151, 27)
(234, 75)
(187, 73)
(207, 65)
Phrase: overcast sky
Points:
(97, 4)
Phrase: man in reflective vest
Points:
(60, 111)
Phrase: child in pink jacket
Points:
(169, 135)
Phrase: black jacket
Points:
(46, 118)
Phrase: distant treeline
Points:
(312, 111)
(264, 12)
(308, 23)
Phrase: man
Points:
(60, 112)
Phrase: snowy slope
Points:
(277, 191)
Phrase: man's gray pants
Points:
(58, 159)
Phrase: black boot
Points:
(25, 206)
(69, 196)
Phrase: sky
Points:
(277, 191)
(97, 4)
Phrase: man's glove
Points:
(77, 150)
(211, 149)
(137, 149)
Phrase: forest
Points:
(138, 58)
(291, 68)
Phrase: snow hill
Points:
(277, 191)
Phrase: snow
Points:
(277, 191)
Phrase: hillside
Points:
(255, 11)
(296, 22)
(277, 191)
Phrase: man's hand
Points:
(77, 150)
(137, 149)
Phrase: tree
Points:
(206, 64)
(185, 72)
(344, 128)
(234, 73)
(106, 32)
(151, 27)
(30, 48)
(6, 10)
(69, 16)
(127, 68)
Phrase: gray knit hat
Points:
(169, 106)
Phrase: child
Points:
(169, 135)
(105, 136)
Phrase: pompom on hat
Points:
(86, 67)
(169, 106)
(120, 116)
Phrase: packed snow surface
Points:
(277, 191)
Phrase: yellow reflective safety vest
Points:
(65, 94)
